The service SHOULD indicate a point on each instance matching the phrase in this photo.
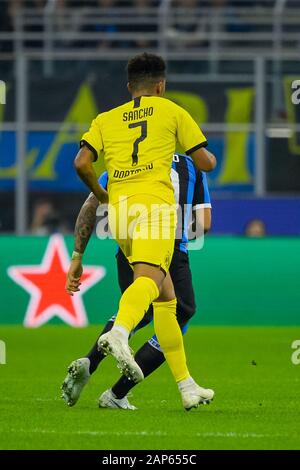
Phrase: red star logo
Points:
(46, 284)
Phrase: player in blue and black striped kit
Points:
(194, 208)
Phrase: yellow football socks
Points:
(170, 338)
(135, 302)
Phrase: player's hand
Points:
(74, 276)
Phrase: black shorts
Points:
(182, 280)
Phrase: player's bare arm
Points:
(207, 219)
(84, 167)
(201, 223)
(202, 220)
(84, 227)
(204, 160)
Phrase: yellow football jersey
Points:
(138, 140)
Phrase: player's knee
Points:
(153, 272)
(166, 292)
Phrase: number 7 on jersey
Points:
(144, 129)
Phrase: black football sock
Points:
(94, 355)
(149, 359)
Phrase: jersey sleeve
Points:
(201, 193)
(103, 180)
(189, 135)
(93, 138)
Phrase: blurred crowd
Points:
(47, 219)
(72, 16)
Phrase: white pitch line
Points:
(245, 435)
(234, 435)
(89, 433)
(30, 400)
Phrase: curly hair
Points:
(145, 70)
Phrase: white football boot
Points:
(113, 343)
(193, 395)
(109, 400)
(77, 377)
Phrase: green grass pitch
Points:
(257, 403)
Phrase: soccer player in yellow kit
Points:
(137, 141)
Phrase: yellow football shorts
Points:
(144, 227)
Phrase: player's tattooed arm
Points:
(85, 223)
(83, 229)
